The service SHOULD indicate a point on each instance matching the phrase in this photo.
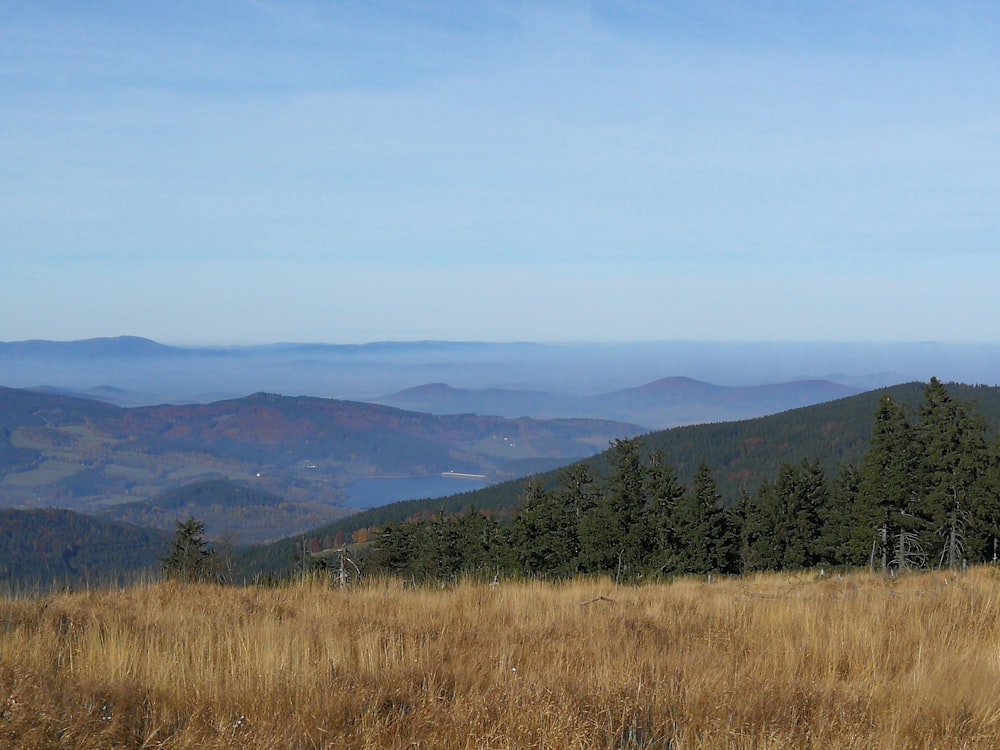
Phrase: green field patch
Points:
(46, 473)
(110, 501)
(129, 472)
(498, 447)
(87, 436)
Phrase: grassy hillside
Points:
(765, 662)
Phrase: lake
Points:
(371, 493)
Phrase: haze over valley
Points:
(134, 371)
(139, 431)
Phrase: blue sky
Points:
(252, 171)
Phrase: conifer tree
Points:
(191, 559)
(602, 547)
(760, 518)
(954, 459)
(627, 492)
(577, 493)
(983, 543)
(543, 534)
(614, 532)
(835, 545)
(481, 544)
(801, 494)
(664, 492)
(396, 548)
(888, 486)
(704, 530)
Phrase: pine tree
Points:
(543, 535)
(835, 545)
(760, 518)
(614, 532)
(664, 492)
(705, 532)
(191, 559)
(954, 453)
(888, 486)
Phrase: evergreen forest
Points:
(925, 494)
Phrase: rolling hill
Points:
(133, 371)
(87, 455)
(663, 403)
(742, 454)
(53, 547)
(240, 514)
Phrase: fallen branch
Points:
(597, 599)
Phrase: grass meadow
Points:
(860, 661)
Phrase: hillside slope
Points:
(240, 514)
(741, 454)
(86, 455)
(58, 547)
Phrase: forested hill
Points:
(85, 455)
(742, 455)
(49, 546)
(925, 494)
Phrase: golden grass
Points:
(765, 662)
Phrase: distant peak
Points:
(675, 383)
(428, 389)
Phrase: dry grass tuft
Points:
(764, 662)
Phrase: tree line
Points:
(926, 494)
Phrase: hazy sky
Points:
(243, 171)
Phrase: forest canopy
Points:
(925, 494)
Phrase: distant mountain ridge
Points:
(660, 404)
(146, 372)
(119, 346)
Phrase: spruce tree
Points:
(954, 454)
(704, 530)
(627, 494)
(835, 545)
(888, 487)
(613, 532)
(191, 559)
(543, 534)
(761, 515)
(664, 492)
(801, 493)
(983, 543)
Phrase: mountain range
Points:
(134, 371)
(668, 402)
(741, 454)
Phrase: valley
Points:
(85, 455)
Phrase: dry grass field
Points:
(765, 662)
